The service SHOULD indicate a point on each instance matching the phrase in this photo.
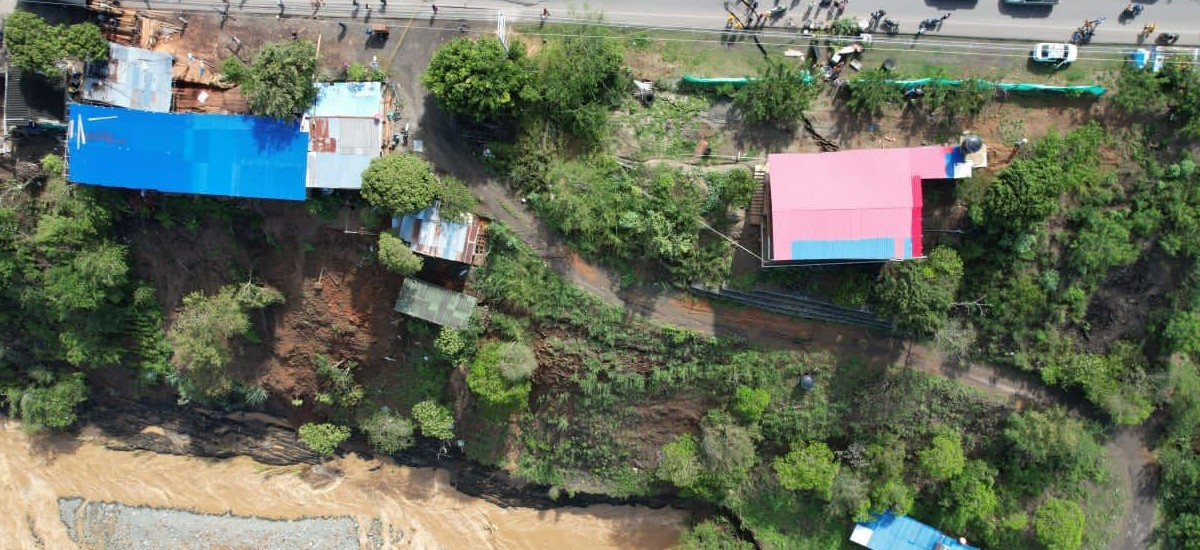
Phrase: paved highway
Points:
(969, 18)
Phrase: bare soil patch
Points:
(338, 303)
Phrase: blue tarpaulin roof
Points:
(892, 532)
(205, 154)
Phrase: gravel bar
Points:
(115, 526)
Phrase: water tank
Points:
(806, 382)
(971, 143)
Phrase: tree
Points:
(47, 406)
(581, 78)
(679, 462)
(918, 293)
(387, 432)
(944, 458)
(323, 438)
(970, 497)
(279, 83)
(728, 452)
(779, 96)
(399, 183)
(202, 334)
(1182, 333)
(435, 420)
(849, 497)
(486, 381)
(871, 92)
(1051, 446)
(34, 45)
(396, 256)
(517, 362)
(1059, 524)
(808, 467)
(478, 78)
(749, 403)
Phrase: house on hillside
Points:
(892, 532)
(430, 234)
(202, 154)
(437, 305)
(131, 77)
(346, 129)
(852, 206)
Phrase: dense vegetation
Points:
(794, 465)
(35, 45)
(68, 299)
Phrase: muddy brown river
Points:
(385, 505)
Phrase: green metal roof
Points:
(435, 304)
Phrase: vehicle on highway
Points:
(1032, 2)
(1059, 54)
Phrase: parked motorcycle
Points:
(890, 26)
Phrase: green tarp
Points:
(1080, 90)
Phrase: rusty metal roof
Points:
(456, 240)
(435, 304)
(132, 77)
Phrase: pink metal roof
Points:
(823, 201)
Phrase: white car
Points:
(1060, 54)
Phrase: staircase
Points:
(754, 216)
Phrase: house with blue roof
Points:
(892, 532)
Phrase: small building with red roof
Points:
(851, 206)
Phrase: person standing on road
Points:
(434, 6)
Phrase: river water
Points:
(416, 507)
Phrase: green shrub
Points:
(516, 362)
(486, 381)
(435, 420)
(48, 406)
(679, 462)
(944, 458)
(323, 438)
(449, 343)
(749, 403)
(779, 96)
(715, 534)
(808, 467)
(1059, 524)
(396, 256)
(387, 432)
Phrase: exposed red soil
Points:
(335, 305)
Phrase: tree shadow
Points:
(273, 135)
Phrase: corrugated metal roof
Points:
(435, 304)
(892, 532)
(432, 235)
(352, 99)
(132, 77)
(345, 133)
(850, 205)
(206, 154)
